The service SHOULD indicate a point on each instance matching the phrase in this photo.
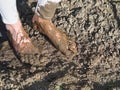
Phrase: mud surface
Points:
(93, 24)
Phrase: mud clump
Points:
(94, 25)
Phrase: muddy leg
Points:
(17, 36)
(42, 22)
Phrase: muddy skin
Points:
(95, 26)
(57, 37)
(25, 48)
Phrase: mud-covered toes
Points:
(34, 60)
(68, 48)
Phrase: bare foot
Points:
(19, 39)
(58, 38)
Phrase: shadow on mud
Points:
(108, 86)
(25, 11)
(3, 36)
(44, 84)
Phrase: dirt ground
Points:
(93, 24)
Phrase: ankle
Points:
(39, 19)
(17, 31)
(14, 27)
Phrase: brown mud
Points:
(93, 24)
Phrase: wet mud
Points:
(95, 27)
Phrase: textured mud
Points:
(93, 24)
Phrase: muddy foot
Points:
(57, 37)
